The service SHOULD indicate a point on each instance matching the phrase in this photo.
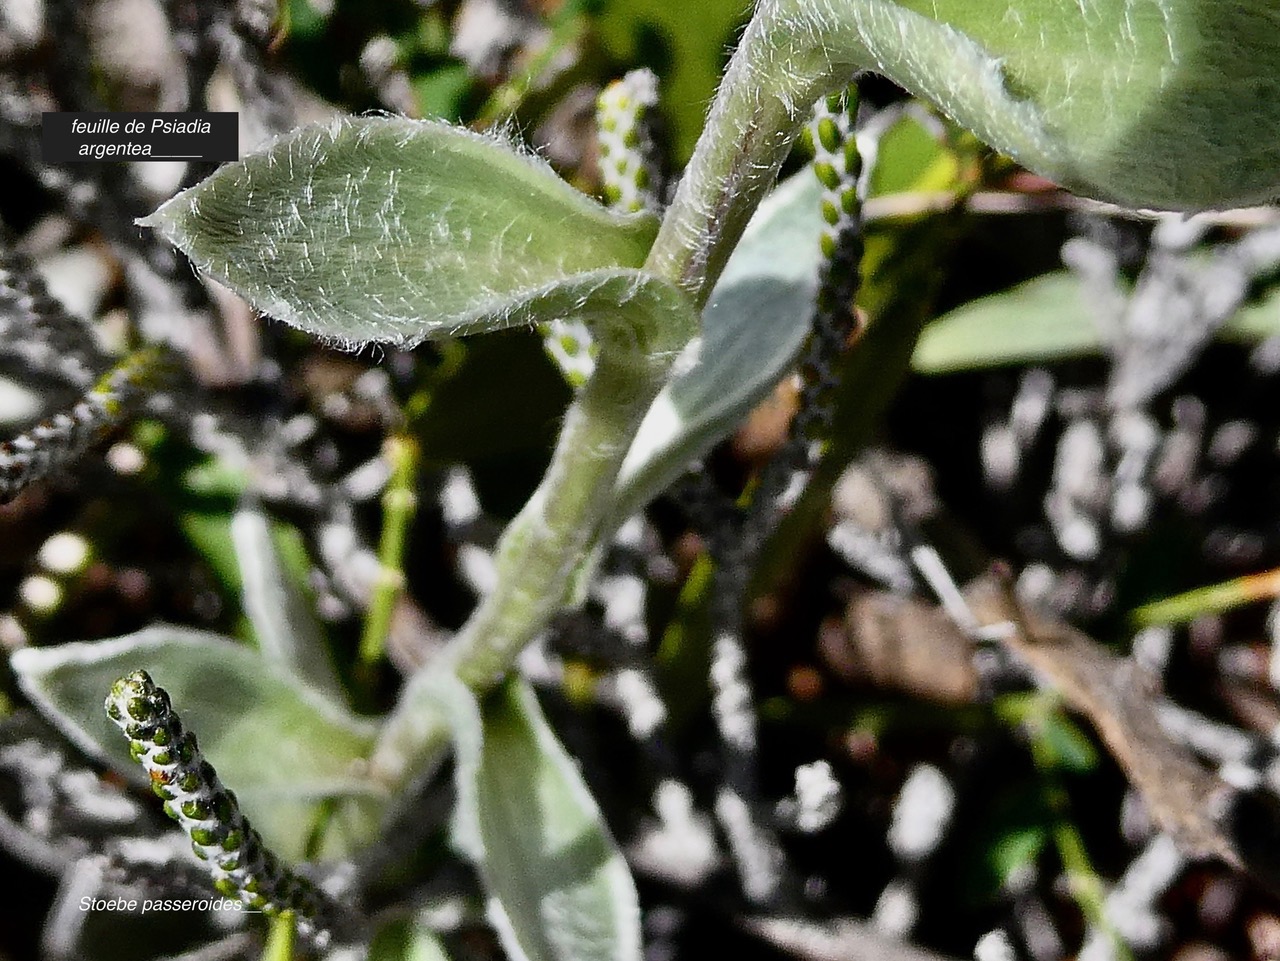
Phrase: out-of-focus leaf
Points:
(910, 158)
(404, 940)
(389, 229)
(1016, 849)
(1048, 319)
(283, 619)
(1060, 742)
(280, 745)
(1068, 746)
(1254, 321)
(752, 328)
(1042, 320)
(440, 91)
(559, 888)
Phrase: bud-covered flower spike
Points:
(838, 167)
(221, 836)
(58, 441)
(630, 181)
(628, 155)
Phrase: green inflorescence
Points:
(221, 836)
(837, 166)
(628, 182)
(56, 442)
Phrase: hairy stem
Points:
(639, 337)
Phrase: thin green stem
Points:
(764, 99)
(281, 942)
(399, 504)
(1086, 887)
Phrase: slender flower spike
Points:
(55, 443)
(630, 180)
(628, 169)
(241, 865)
(838, 167)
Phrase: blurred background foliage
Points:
(974, 316)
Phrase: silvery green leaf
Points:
(559, 888)
(282, 746)
(752, 329)
(283, 619)
(390, 229)
(1151, 103)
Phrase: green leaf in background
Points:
(1016, 849)
(1048, 319)
(910, 158)
(281, 746)
(1066, 745)
(559, 888)
(1040, 321)
(283, 618)
(752, 329)
(405, 940)
(1058, 741)
(389, 229)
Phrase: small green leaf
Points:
(281, 746)
(283, 619)
(1040, 321)
(389, 229)
(752, 329)
(1065, 745)
(1016, 848)
(559, 888)
(1048, 319)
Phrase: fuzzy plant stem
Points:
(639, 337)
(241, 865)
(782, 66)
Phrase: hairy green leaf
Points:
(559, 888)
(281, 746)
(1148, 103)
(389, 229)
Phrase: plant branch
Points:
(782, 65)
